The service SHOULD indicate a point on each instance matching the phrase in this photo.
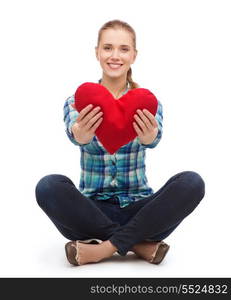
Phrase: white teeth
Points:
(114, 66)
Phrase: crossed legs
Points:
(78, 218)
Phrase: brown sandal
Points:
(159, 253)
(71, 249)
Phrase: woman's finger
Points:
(137, 129)
(150, 117)
(91, 114)
(148, 123)
(84, 112)
(94, 127)
(92, 120)
(140, 122)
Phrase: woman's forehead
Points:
(116, 37)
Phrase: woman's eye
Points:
(123, 49)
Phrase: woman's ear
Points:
(134, 57)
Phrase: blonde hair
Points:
(115, 24)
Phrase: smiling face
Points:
(116, 52)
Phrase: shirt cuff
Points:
(72, 138)
(151, 145)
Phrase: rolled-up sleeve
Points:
(159, 119)
(70, 116)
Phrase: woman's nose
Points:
(115, 53)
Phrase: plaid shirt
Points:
(120, 175)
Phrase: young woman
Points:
(114, 209)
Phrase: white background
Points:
(47, 50)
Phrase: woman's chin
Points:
(114, 74)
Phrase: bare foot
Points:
(146, 250)
(89, 253)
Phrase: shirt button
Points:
(114, 182)
(113, 168)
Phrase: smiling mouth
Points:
(114, 66)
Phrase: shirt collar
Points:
(99, 81)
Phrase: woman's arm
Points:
(70, 116)
(81, 126)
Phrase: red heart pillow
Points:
(116, 129)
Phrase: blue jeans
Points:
(152, 218)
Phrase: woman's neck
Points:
(116, 86)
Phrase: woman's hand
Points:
(86, 123)
(148, 126)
